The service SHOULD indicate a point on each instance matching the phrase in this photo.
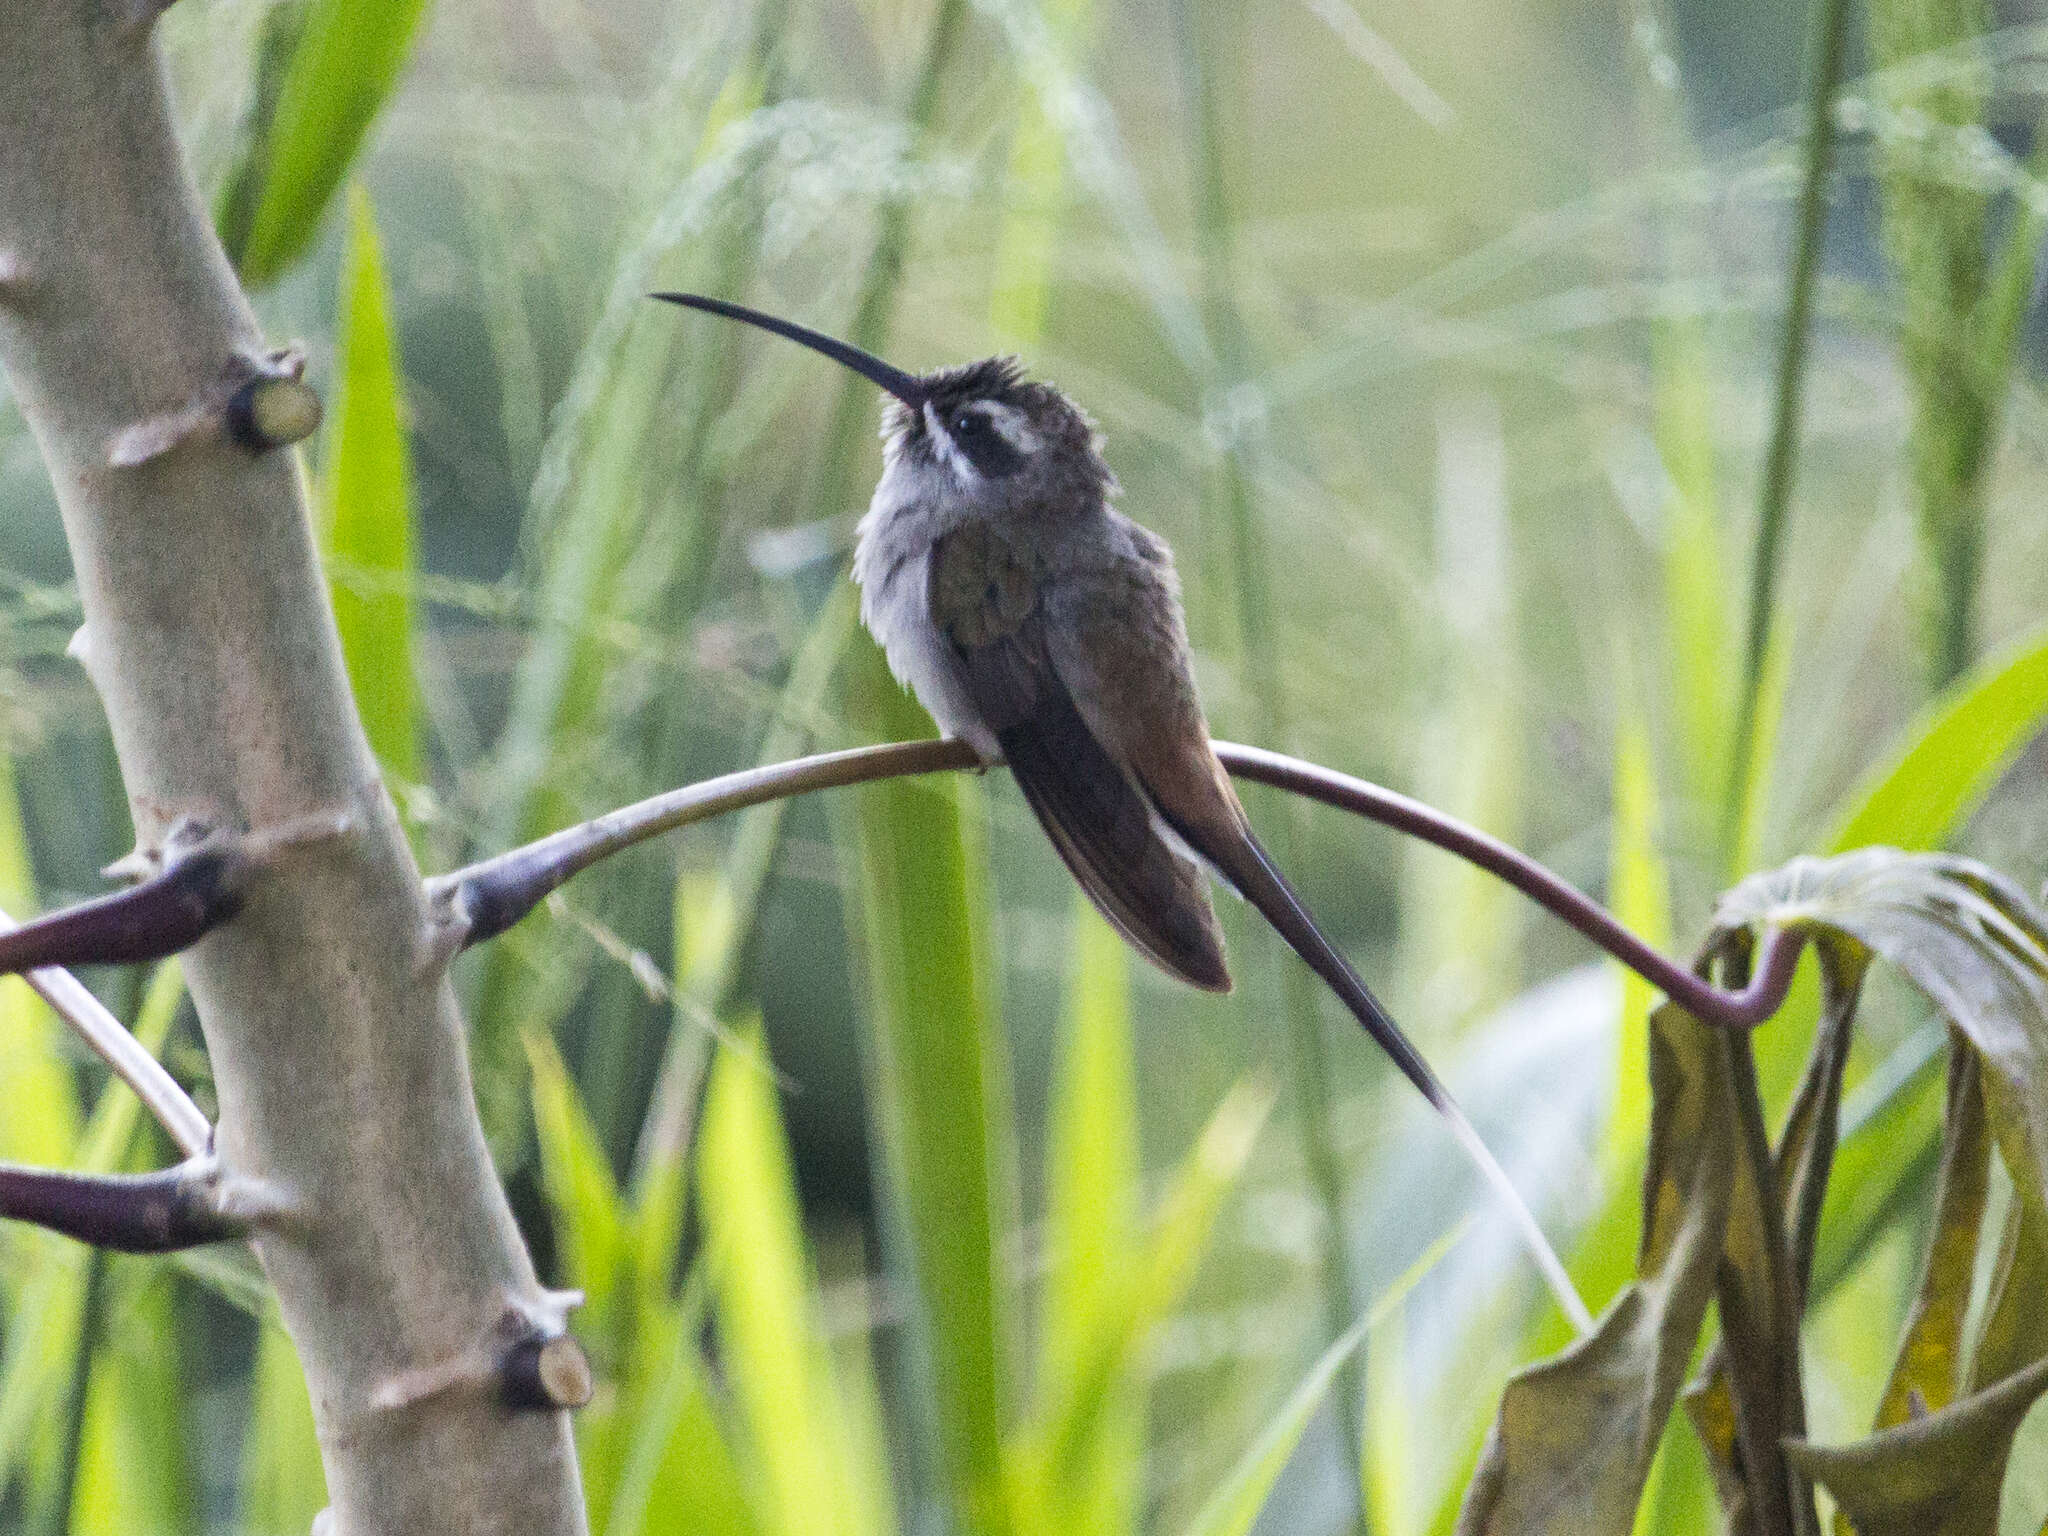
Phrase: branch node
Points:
(184, 887)
(15, 279)
(139, 17)
(542, 1366)
(259, 1205)
(522, 1321)
(260, 402)
(444, 935)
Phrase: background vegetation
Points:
(1444, 344)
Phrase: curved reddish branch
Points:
(1771, 978)
(483, 899)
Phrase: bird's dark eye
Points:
(967, 423)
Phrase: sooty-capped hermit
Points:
(1044, 628)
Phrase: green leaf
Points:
(366, 503)
(1888, 1158)
(713, 917)
(1027, 238)
(1948, 759)
(1753, 792)
(1236, 1503)
(677, 1475)
(1572, 1445)
(1933, 1476)
(334, 62)
(2014, 1331)
(47, 1307)
(1092, 1157)
(1703, 645)
(1639, 891)
(41, 1123)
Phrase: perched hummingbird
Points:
(1043, 627)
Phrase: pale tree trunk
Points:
(336, 1042)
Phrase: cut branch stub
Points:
(546, 1373)
(273, 410)
(260, 402)
(176, 1208)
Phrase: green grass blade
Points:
(765, 1304)
(283, 1486)
(1700, 628)
(48, 1302)
(1765, 711)
(1603, 1260)
(1236, 1503)
(939, 1089)
(41, 1123)
(366, 502)
(1092, 1181)
(675, 1470)
(1828, 48)
(1923, 791)
(1057, 1455)
(713, 919)
(135, 1470)
(343, 64)
(1027, 238)
(593, 1230)
(1092, 1162)
(44, 1282)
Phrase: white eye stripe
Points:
(1011, 423)
(949, 452)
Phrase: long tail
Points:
(1251, 870)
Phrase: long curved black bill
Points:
(904, 386)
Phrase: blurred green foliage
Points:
(1437, 339)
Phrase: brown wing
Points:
(984, 600)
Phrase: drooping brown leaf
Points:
(1978, 948)
(1724, 1214)
(1933, 1476)
(1929, 1369)
(1963, 934)
(1572, 1445)
(1748, 1395)
(2015, 1332)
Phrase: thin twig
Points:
(485, 898)
(124, 1055)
